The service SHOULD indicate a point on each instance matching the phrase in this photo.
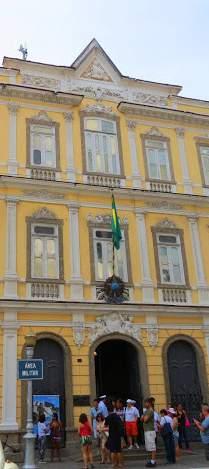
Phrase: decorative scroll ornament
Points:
(152, 335)
(44, 213)
(42, 116)
(96, 71)
(166, 223)
(115, 322)
(78, 333)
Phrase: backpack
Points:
(166, 429)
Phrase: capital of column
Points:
(180, 131)
(13, 108)
(131, 124)
(73, 207)
(68, 116)
(193, 219)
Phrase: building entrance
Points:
(117, 370)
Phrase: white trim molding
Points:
(12, 159)
(202, 285)
(10, 326)
(183, 159)
(69, 142)
(147, 285)
(76, 280)
(10, 286)
(136, 177)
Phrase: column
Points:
(198, 260)
(183, 158)
(147, 285)
(12, 160)
(69, 143)
(9, 400)
(133, 152)
(206, 333)
(10, 286)
(76, 280)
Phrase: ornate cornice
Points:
(24, 92)
(163, 113)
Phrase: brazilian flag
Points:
(116, 231)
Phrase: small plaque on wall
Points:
(81, 401)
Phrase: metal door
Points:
(53, 383)
(184, 381)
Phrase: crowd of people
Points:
(115, 426)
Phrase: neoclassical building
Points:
(69, 135)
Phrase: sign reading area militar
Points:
(30, 369)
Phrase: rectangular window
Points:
(170, 259)
(43, 146)
(102, 155)
(204, 153)
(44, 251)
(157, 159)
(103, 251)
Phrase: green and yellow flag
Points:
(116, 231)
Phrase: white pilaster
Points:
(9, 400)
(69, 142)
(183, 159)
(10, 286)
(198, 260)
(76, 280)
(133, 152)
(147, 285)
(12, 160)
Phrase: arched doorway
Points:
(50, 391)
(118, 368)
(184, 382)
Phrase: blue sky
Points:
(158, 40)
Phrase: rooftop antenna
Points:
(24, 51)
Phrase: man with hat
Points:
(102, 408)
(131, 417)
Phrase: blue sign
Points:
(29, 370)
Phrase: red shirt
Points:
(85, 429)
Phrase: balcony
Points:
(44, 290)
(100, 180)
(44, 174)
(174, 295)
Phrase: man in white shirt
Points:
(131, 417)
(102, 408)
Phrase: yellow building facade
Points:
(69, 136)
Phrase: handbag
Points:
(187, 423)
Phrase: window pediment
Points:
(165, 223)
(45, 213)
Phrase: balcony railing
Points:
(174, 295)
(45, 174)
(161, 187)
(45, 290)
(100, 180)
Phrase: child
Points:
(85, 432)
(43, 431)
(102, 432)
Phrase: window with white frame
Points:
(44, 251)
(103, 256)
(170, 259)
(157, 159)
(204, 153)
(101, 143)
(43, 145)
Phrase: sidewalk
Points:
(189, 461)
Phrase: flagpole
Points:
(113, 258)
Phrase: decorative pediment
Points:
(104, 219)
(98, 108)
(165, 223)
(45, 213)
(154, 131)
(42, 116)
(96, 71)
